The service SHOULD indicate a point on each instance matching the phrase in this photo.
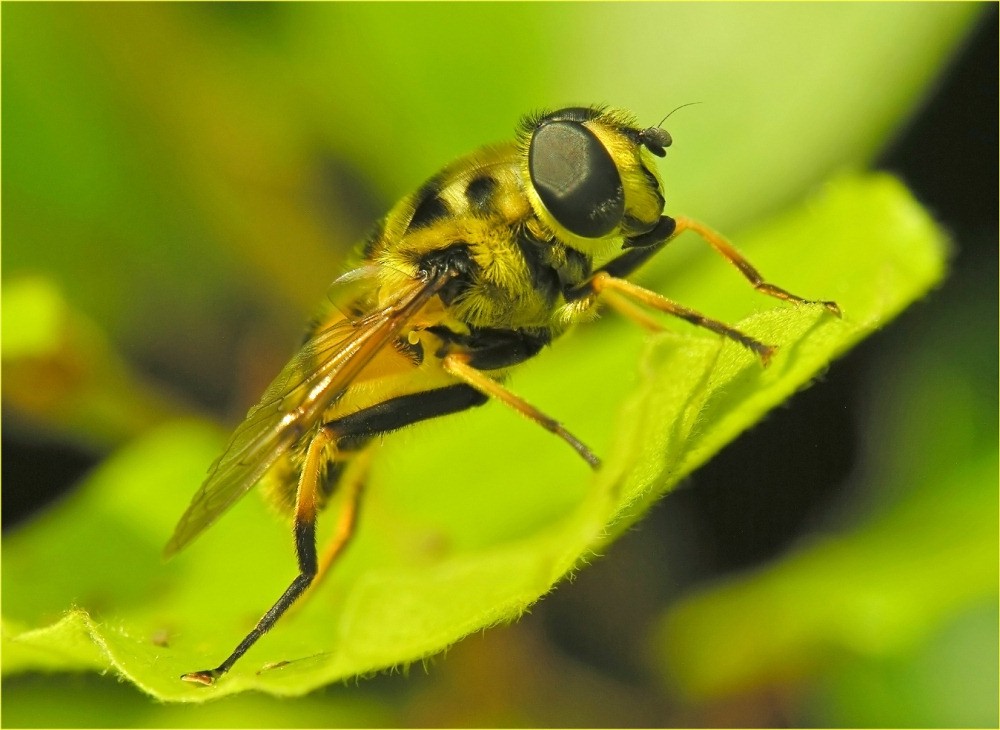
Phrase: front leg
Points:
(609, 284)
(458, 364)
(641, 248)
(467, 356)
(750, 273)
(620, 293)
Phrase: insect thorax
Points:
(524, 258)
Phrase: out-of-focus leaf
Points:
(903, 603)
(201, 163)
(60, 374)
(460, 530)
(781, 103)
(91, 701)
(875, 591)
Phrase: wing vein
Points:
(294, 403)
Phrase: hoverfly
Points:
(477, 271)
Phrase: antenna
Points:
(690, 103)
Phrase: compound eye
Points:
(576, 178)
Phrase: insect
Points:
(477, 271)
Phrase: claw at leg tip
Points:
(205, 678)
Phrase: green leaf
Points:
(887, 616)
(468, 520)
(873, 591)
(32, 318)
(61, 375)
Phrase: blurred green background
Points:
(181, 182)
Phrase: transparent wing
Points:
(312, 380)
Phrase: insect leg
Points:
(355, 431)
(604, 283)
(618, 293)
(348, 516)
(353, 481)
(624, 306)
(734, 257)
(305, 549)
(458, 365)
